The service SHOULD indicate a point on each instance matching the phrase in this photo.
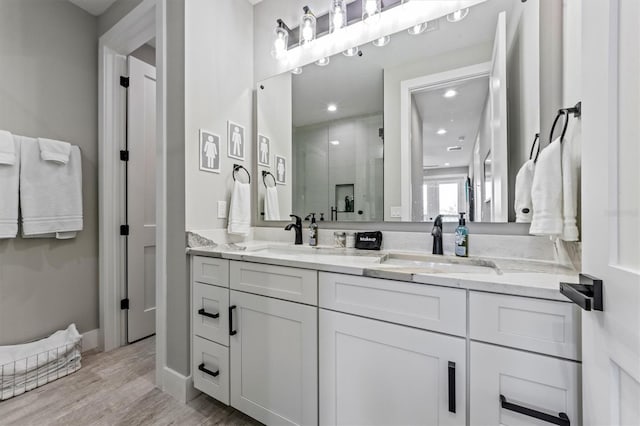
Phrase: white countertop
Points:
(513, 276)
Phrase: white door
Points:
(376, 373)
(498, 103)
(610, 209)
(274, 359)
(141, 211)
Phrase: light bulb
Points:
(281, 40)
(337, 15)
(278, 45)
(307, 31)
(458, 15)
(417, 29)
(322, 62)
(307, 27)
(338, 18)
(332, 108)
(371, 9)
(352, 51)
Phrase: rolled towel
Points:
(240, 209)
(524, 181)
(271, 204)
(546, 192)
(9, 184)
(56, 151)
(7, 148)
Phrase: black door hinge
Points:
(124, 304)
(124, 155)
(124, 230)
(124, 81)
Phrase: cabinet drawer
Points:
(211, 271)
(296, 285)
(215, 358)
(211, 301)
(536, 325)
(537, 382)
(429, 307)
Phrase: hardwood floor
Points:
(115, 388)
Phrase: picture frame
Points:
(210, 152)
(280, 165)
(263, 151)
(236, 140)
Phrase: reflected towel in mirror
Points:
(524, 181)
(271, 204)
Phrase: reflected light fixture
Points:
(296, 71)
(280, 40)
(334, 142)
(323, 62)
(447, 164)
(382, 41)
(418, 29)
(332, 108)
(352, 51)
(450, 93)
(371, 10)
(442, 131)
(337, 15)
(458, 15)
(307, 27)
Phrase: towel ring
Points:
(237, 167)
(533, 145)
(264, 178)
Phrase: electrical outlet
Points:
(222, 209)
(396, 211)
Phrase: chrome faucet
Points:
(437, 235)
(296, 227)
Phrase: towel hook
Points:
(561, 112)
(237, 167)
(533, 145)
(264, 177)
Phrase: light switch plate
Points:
(396, 211)
(222, 209)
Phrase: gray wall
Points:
(49, 69)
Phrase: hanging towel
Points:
(546, 192)
(52, 150)
(271, 204)
(9, 183)
(7, 148)
(50, 193)
(524, 181)
(240, 210)
(570, 182)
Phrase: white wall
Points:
(49, 69)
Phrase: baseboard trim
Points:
(178, 386)
(90, 340)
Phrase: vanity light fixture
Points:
(296, 71)
(451, 93)
(458, 15)
(281, 40)
(307, 27)
(418, 28)
(337, 15)
(371, 10)
(442, 131)
(382, 41)
(332, 108)
(323, 62)
(352, 51)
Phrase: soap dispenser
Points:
(462, 238)
(313, 231)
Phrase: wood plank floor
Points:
(115, 388)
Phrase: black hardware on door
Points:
(232, 332)
(207, 314)
(587, 294)
(561, 419)
(202, 368)
(452, 387)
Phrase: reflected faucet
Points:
(437, 235)
(296, 227)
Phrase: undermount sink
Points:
(424, 263)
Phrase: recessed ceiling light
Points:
(323, 62)
(442, 131)
(334, 142)
(458, 15)
(382, 41)
(450, 93)
(447, 164)
(332, 108)
(296, 71)
(454, 148)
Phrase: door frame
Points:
(146, 21)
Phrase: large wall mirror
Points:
(426, 124)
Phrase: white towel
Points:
(9, 182)
(524, 181)
(570, 181)
(240, 209)
(271, 204)
(7, 148)
(50, 193)
(52, 150)
(546, 192)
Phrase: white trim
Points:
(146, 21)
(90, 340)
(406, 88)
(178, 386)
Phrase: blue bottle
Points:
(462, 238)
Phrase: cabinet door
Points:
(539, 384)
(375, 373)
(274, 359)
(211, 312)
